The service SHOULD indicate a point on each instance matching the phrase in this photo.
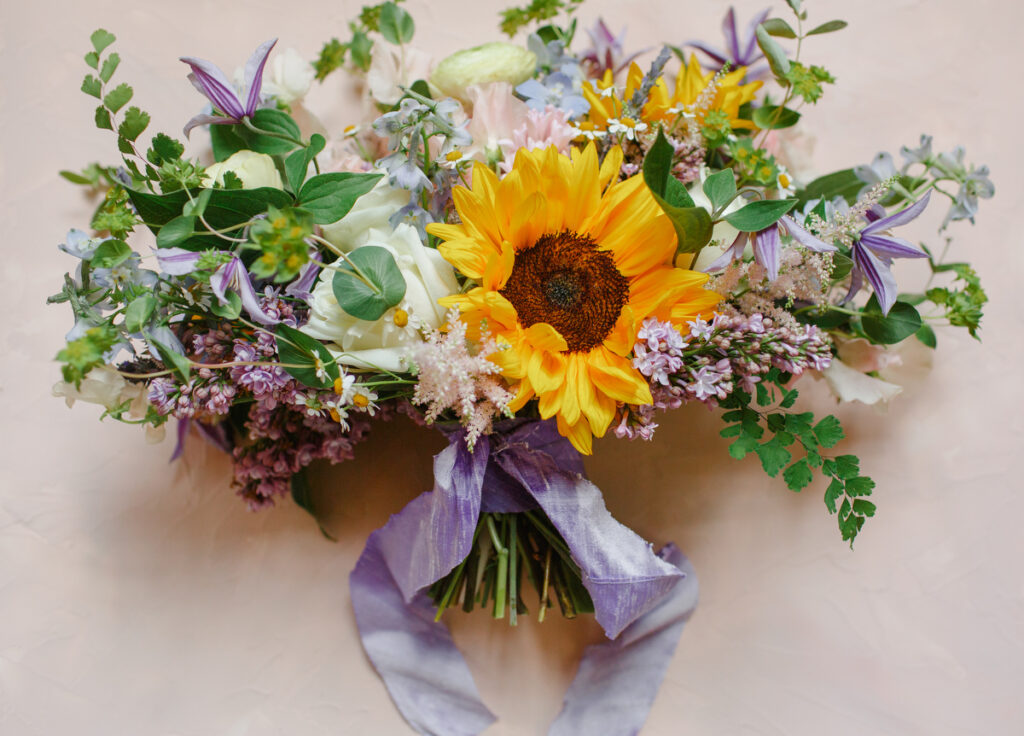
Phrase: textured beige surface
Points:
(141, 598)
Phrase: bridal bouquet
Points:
(526, 246)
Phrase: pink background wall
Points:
(141, 598)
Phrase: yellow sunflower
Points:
(568, 265)
(729, 95)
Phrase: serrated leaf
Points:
(798, 475)
(901, 322)
(176, 231)
(846, 466)
(396, 25)
(742, 445)
(103, 118)
(863, 507)
(732, 430)
(330, 196)
(830, 27)
(829, 431)
(774, 53)
(92, 86)
(773, 117)
(832, 494)
(135, 121)
(167, 148)
(101, 39)
(789, 399)
(139, 312)
(368, 301)
(110, 254)
(178, 363)
(764, 397)
(720, 188)
(773, 456)
(301, 356)
(118, 97)
(760, 214)
(779, 28)
(859, 486)
(109, 67)
(92, 59)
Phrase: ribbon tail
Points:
(617, 680)
(426, 676)
(624, 577)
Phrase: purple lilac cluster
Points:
(288, 426)
(708, 362)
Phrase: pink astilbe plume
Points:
(453, 376)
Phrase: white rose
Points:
(103, 385)
(372, 211)
(254, 169)
(491, 62)
(385, 342)
(288, 77)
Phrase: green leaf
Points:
(225, 141)
(859, 486)
(118, 97)
(773, 52)
(657, 167)
(198, 206)
(178, 363)
(830, 27)
(829, 431)
(778, 27)
(368, 301)
(796, 5)
(843, 184)
(92, 86)
(109, 67)
(176, 231)
(773, 117)
(901, 322)
(863, 507)
(330, 196)
(92, 59)
(301, 355)
(302, 494)
(101, 39)
(135, 121)
(421, 88)
(926, 335)
(167, 148)
(832, 494)
(720, 188)
(103, 118)
(760, 214)
(297, 164)
(789, 399)
(774, 456)
(110, 254)
(841, 267)
(396, 25)
(272, 121)
(742, 445)
(74, 178)
(230, 311)
(846, 466)
(359, 48)
(798, 475)
(139, 312)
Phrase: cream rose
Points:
(491, 62)
(723, 234)
(385, 342)
(372, 211)
(288, 77)
(254, 169)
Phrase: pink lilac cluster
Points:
(454, 377)
(289, 425)
(283, 441)
(707, 363)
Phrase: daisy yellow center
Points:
(566, 281)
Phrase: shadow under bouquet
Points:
(527, 246)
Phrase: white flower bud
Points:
(254, 169)
(491, 62)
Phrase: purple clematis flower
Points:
(738, 52)
(874, 252)
(229, 106)
(607, 52)
(767, 246)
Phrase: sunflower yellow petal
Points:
(578, 434)
(616, 378)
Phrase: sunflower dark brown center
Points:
(564, 280)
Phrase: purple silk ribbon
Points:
(641, 599)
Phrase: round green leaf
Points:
(901, 322)
(110, 254)
(720, 187)
(176, 231)
(773, 117)
(301, 356)
(396, 25)
(368, 301)
(272, 121)
(138, 313)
